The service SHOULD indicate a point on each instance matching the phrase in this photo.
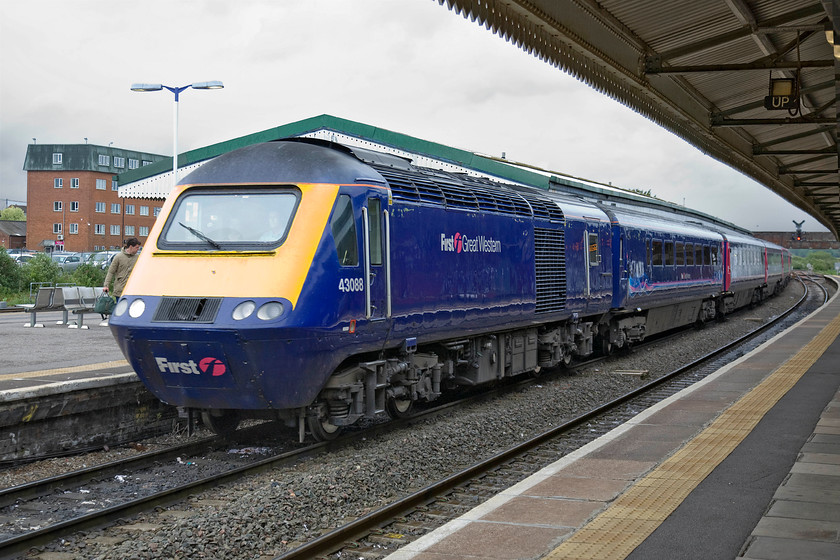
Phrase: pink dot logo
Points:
(213, 366)
(459, 243)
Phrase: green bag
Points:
(104, 304)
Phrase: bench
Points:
(85, 304)
(47, 299)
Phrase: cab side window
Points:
(375, 230)
(344, 232)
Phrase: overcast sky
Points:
(410, 66)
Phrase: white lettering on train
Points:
(459, 243)
(165, 366)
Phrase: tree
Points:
(13, 213)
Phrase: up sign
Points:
(774, 102)
(783, 95)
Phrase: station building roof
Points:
(155, 181)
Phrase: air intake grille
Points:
(550, 263)
(468, 193)
(187, 310)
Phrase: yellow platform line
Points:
(59, 371)
(634, 515)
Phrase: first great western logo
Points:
(460, 243)
(208, 365)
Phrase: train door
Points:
(598, 276)
(377, 264)
(727, 265)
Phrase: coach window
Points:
(375, 229)
(689, 254)
(669, 254)
(714, 256)
(680, 254)
(594, 259)
(344, 232)
(656, 253)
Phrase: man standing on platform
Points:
(121, 267)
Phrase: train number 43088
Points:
(351, 285)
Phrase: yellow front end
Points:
(277, 271)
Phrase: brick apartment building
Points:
(72, 198)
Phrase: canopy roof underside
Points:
(702, 69)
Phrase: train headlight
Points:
(137, 307)
(270, 310)
(244, 310)
(121, 307)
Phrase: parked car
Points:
(67, 261)
(102, 259)
(21, 258)
(20, 251)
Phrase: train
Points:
(317, 283)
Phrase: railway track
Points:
(392, 523)
(383, 531)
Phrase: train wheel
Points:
(398, 408)
(322, 429)
(221, 422)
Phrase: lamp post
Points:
(177, 91)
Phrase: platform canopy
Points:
(752, 83)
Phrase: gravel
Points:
(263, 516)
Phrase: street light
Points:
(177, 91)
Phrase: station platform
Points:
(55, 358)
(68, 390)
(745, 464)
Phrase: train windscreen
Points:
(214, 220)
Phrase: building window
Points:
(104, 160)
(144, 231)
(157, 211)
(99, 229)
(100, 184)
(133, 163)
(119, 161)
(144, 210)
(115, 229)
(57, 157)
(129, 209)
(58, 182)
(100, 207)
(74, 183)
(74, 206)
(129, 231)
(57, 228)
(115, 186)
(73, 229)
(58, 206)
(115, 208)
